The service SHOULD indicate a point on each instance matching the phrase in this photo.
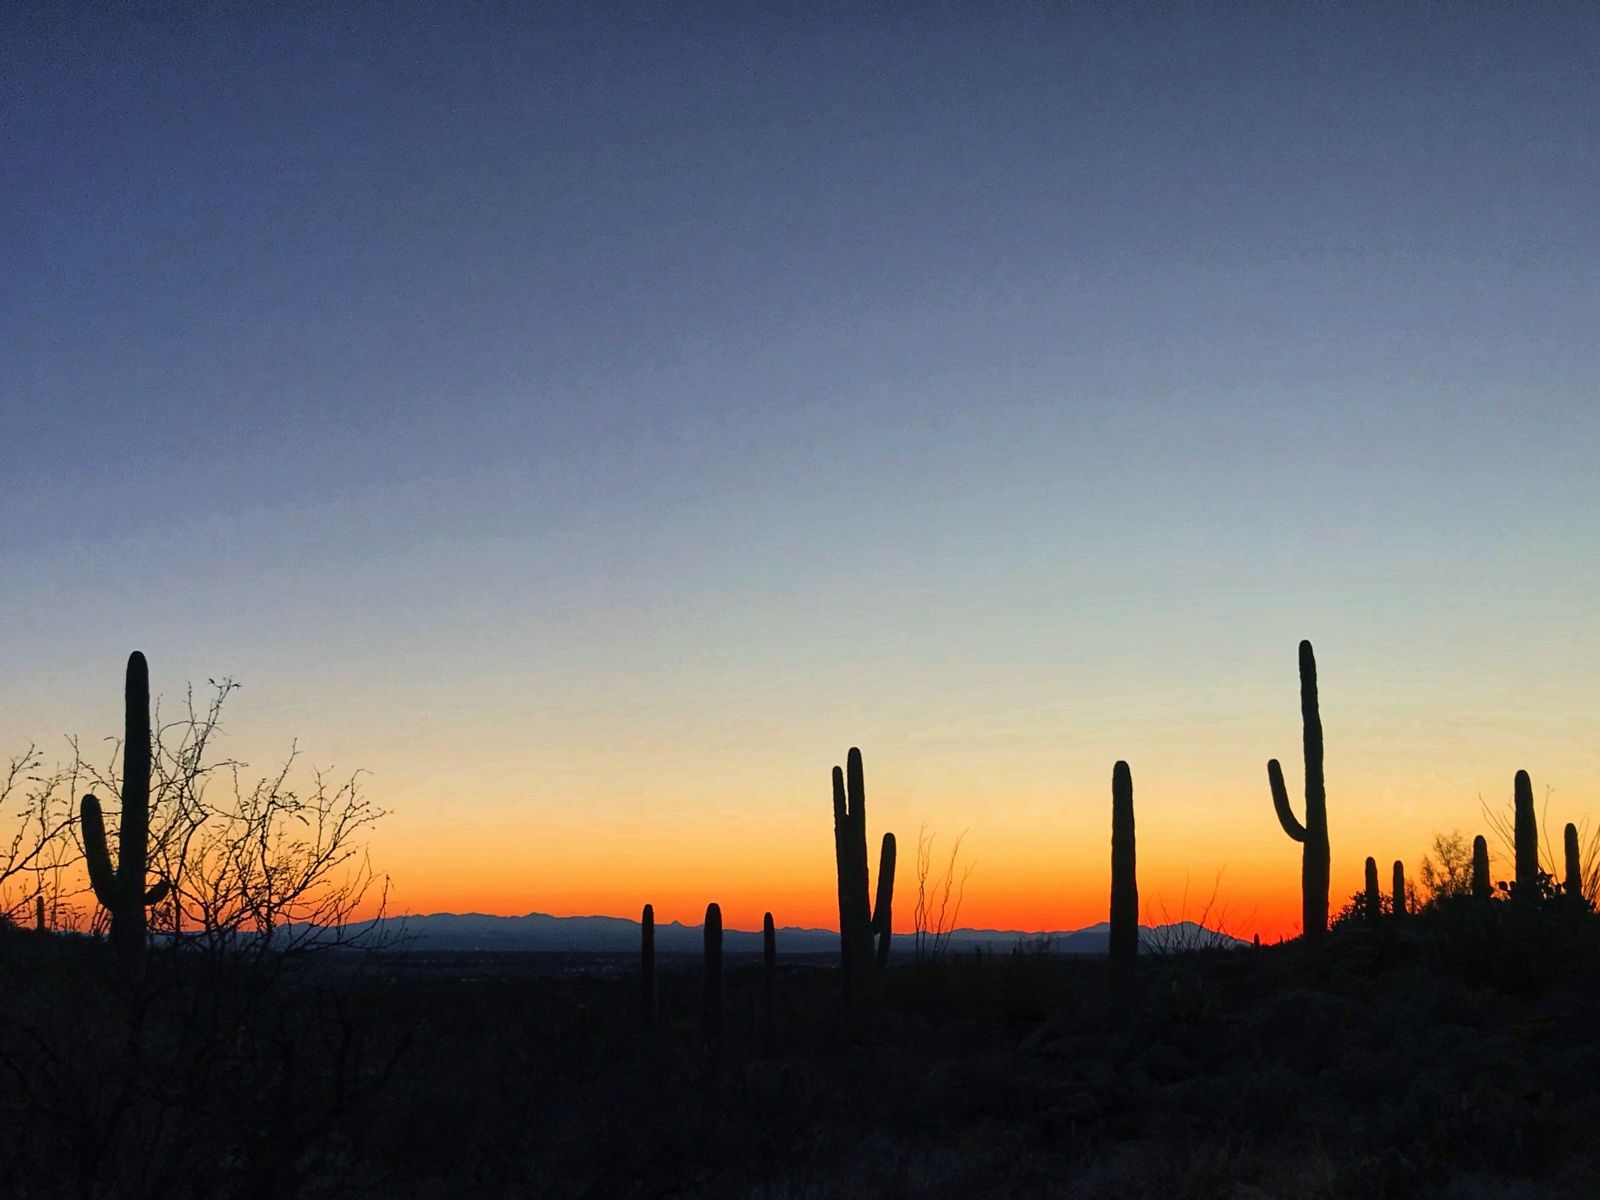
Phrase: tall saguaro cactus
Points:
(860, 924)
(1482, 885)
(1399, 906)
(1374, 898)
(647, 968)
(123, 891)
(769, 983)
(1525, 839)
(1124, 881)
(711, 1012)
(1313, 835)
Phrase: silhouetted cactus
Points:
(1398, 904)
(1124, 881)
(1574, 872)
(711, 1010)
(859, 924)
(122, 892)
(769, 983)
(1482, 885)
(1313, 835)
(647, 968)
(1372, 898)
(1525, 839)
(38, 914)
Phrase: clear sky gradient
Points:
(593, 420)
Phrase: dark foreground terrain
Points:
(1460, 1060)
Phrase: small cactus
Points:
(1482, 885)
(1574, 873)
(1313, 835)
(1526, 840)
(122, 891)
(1124, 881)
(711, 1011)
(647, 968)
(38, 914)
(1372, 898)
(1398, 906)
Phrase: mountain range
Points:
(479, 932)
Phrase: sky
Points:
(592, 420)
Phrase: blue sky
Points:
(476, 383)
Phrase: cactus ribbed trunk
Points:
(122, 891)
(1373, 899)
(1124, 880)
(859, 924)
(711, 1008)
(1573, 882)
(1482, 885)
(1398, 905)
(647, 968)
(38, 914)
(1313, 835)
(769, 983)
(1525, 839)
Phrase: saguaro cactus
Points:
(123, 892)
(1573, 883)
(38, 914)
(1482, 885)
(711, 1011)
(1124, 881)
(1313, 835)
(1373, 898)
(1398, 906)
(1525, 839)
(859, 923)
(769, 983)
(647, 968)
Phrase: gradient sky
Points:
(593, 420)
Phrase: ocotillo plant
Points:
(1313, 835)
(123, 891)
(769, 983)
(1398, 907)
(1525, 839)
(711, 1010)
(1124, 882)
(1574, 873)
(859, 924)
(1482, 886)
(1373, 898)
(647, 968)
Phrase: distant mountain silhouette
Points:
(444, 932)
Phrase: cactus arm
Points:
(1398, 908)
(841, 836)
(1280, 802)
(96, 856)
(1374, 906)
(883, 910)
(1574, 863)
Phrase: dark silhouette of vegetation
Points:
(1372, 897)
(124, 891)
(1397, 897)
(1124, 942)
(1527, 840)
(1313, 835)
(1482, 884)
(769, 983)
(647, 968)
(711, 1007)
(864, 933)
